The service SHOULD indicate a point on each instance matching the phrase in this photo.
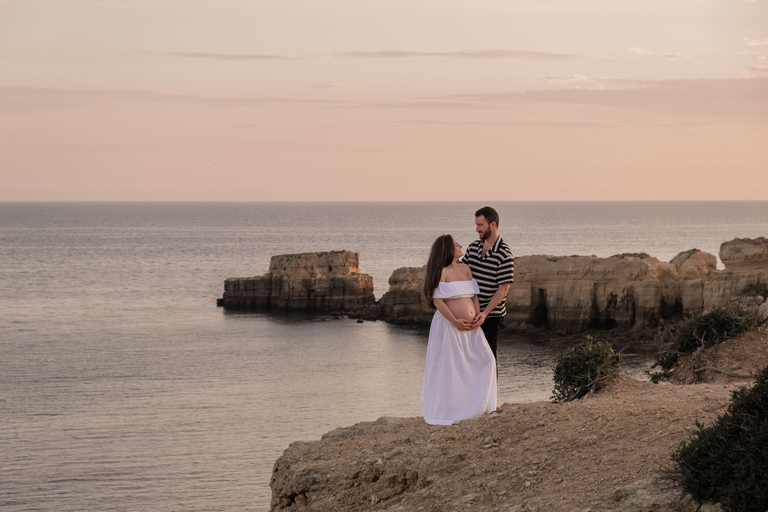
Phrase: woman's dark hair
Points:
(489, 213)
(440, 256)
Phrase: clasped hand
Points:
(467, 325)
(478, 320)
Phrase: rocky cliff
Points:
(314, 282)
(626, 291)
(562, 293)
(602, 453)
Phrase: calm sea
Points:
(123, 387)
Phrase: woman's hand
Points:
(462, 325)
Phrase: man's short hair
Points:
(489, 213)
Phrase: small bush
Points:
(703, 331)
(582, 369)
(727, 463)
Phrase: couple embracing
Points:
(469, 291)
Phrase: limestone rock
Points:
(694, 264)
(763, 310)
(742, 254)
(561, 293)
(404, 302)
(601, 453)
(575, 293)
(625, 291)
(322, 281)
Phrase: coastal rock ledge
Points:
(560, 293)
(320, 281)
(604, 453)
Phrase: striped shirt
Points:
(496, 268)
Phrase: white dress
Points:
(460, 373)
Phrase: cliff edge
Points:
(605, 452)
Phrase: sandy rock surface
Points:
(606, 452)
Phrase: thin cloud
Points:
(337, 87)
(587, 80)
(230, 56)
(533, 8)
(499, 54)
(739, 97)
(464, 54)
(755, 42)
(668, 56)
(24, 99)
(676, 56)
(760, 68)
(742, 97)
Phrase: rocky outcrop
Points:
(603, 452)
(562, 293)
(404, 302)
(626, 291)
(742, 254)
(321, 281)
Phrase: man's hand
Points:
(478, 320)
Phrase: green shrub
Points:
(582, 369)
(727, 463)
(703, 331)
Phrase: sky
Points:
(362, 100)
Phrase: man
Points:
(493, 268)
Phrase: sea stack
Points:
(312, 282)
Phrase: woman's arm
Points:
(461, 325)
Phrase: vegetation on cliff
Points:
(727, 462)
(696, 333)
(583, 369)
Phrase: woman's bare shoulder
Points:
(465, 270)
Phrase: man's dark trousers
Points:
(491, 327)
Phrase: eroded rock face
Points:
(562, 293)
(323, 281)
(404, 303)
(742, 254)
(626, 291)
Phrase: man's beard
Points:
(484, 235)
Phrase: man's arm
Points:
(501, 292)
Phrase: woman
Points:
(460, 374)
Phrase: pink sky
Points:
(398, 100)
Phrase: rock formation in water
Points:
(313, 282)
(562, 293)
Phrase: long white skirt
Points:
(460, 374)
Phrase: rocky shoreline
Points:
(569, 294)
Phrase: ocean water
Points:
(123, 387)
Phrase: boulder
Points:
(744, 254)
(762, 310)
(404, 302)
